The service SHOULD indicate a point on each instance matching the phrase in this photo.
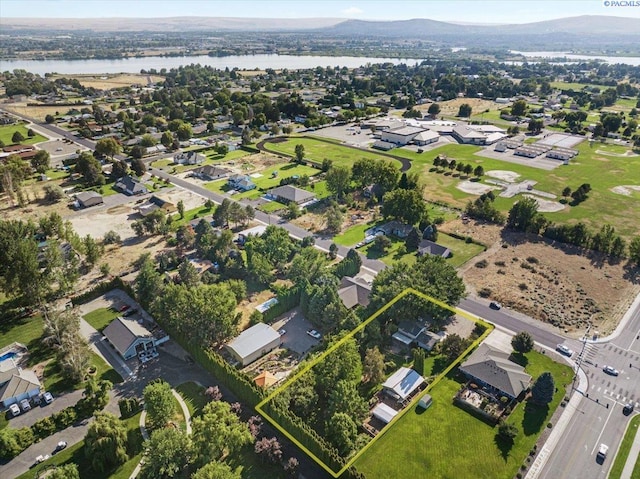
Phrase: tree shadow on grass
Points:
(534, 418)
(519, 358)
(439, 365)
(504, 445)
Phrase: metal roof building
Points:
(253, 343)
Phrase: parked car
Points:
(282, 331)
(611, 370)
(130, 312)
(47, 397)
(564, 350)
(14, 409)
(60, 446)
(314, 334)
(627, 409)
(40, 459)
(495, 305)
(24, 405)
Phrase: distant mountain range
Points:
(416, 28)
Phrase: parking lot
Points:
(296, 326)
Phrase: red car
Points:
(124, 308)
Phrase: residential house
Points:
(130, 337)
(396, 228)
(130, 186)
(290, 194)
(16, 384)
(253, 343)
(353, 292)
(429, 247)
(156, 203)
(210, 173)
(241, 182)
(189, 158)
(492, 368)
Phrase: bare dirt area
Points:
(110, 81)
(546, 206)
(36, 112)
(473, 187)
(554, 284)
(504, 175)
(485, 233)
(625, 190)
(451, 107)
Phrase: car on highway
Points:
(564, 350)
(60, 446)
(611, 370)
(14, 410)
(602, 453)
(495, 305)
(314, 334)
(627, 409)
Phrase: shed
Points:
(401, 384)
(425, 401)
(89, 198)
(253, 343)
(384, 413)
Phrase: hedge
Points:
(102, 288)
(287, 300)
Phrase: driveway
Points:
(29, 418)
(296, 338)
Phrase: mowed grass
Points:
(447, 442)
(7, 131)
(625, 448)
(57, 381)
(193, 395)
(317, 150)
(101, 317)
(596, 164)
(76, 455)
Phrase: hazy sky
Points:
(496, 11)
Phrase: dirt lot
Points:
(109, 81)
(36, 112)
(451, 107)
(553, 284)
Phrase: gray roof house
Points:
(429, 247)
(210, 173)
(396, 228)
(291, 194)
(241, 182)
(189, 158)
(253, 343)
(130, 186)
(353, 292)
(16, 384)
(129, 337)
(89, 198)
(492, 367)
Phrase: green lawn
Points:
(101, 317)
(318, 150)
(27, 331)
(623, 451)
(57, 381)
(189, 215)
(7, 131)
(193, 395)
(462, 251)
(355, 234)
(447, 442)
(560, 85)
(75, 454)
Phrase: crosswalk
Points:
(619, 397)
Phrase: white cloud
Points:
(352, 11)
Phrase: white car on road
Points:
(564, 350)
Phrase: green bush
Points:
(43, 428)
(129, 407)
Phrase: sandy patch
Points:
(451, 107)
(118, 80)
(626, 154)
(625, 190)
(473, 187)
(504, 175)
(546, 206)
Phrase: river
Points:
(243, 62)
(573, 57)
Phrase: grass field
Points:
(446, 442)
(317, 150)
(560, 85)
(193, 395)
(57, 381)
(625, 448)
(7, 131)
(101, 317)
(76, 455)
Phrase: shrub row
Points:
(102, 288)
(287, 300)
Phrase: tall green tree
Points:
(524, 216)
(543, 389)
(299, 151)
(342, 432)
(344, 364)
(218, 431)
(40, 162)
(108, 147)
(159, 402)
(105, 444)
(149, 283)
(64, 471)
(167, 454)
(90, 169)
(373, 366)
(404, 205)
(338, 180)
(522, 342)
(634, 250)
(345, 398)
(216, 470)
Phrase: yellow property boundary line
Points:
(335, 346)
